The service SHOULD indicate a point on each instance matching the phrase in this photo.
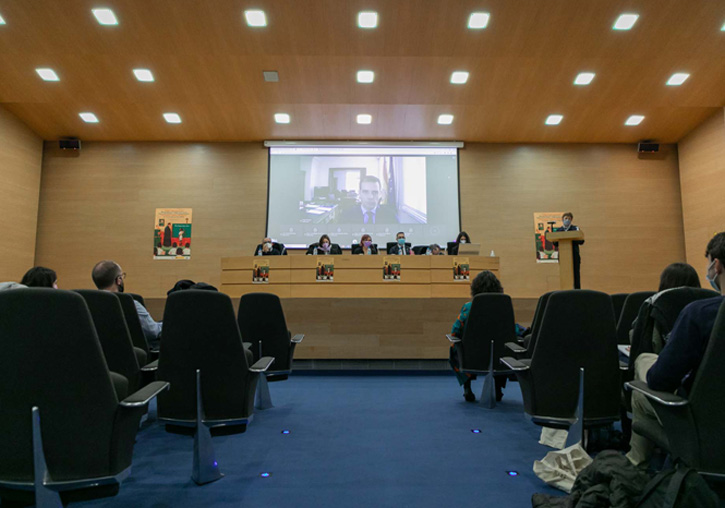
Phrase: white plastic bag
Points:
(560, 468)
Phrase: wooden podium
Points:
(566, 255)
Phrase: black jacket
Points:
(334, 249)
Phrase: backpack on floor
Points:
(680, 487)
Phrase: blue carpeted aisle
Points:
(355, 440)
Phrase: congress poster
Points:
(546, 252)
(172, 233)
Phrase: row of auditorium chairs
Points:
(574, 339)
(81, 358)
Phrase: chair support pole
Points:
(576, 430)
(205, 468)
(488, 394)
(263, 399)
(44, 497)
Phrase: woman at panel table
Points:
(323, 247)
(461, 238)
(366, 246)
(484, 282)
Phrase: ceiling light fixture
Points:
(478, 20)
(172, 117)
(364, 119)
(365, 76)
(2, 20)
(105, 16)
(88, 117)
(281, 118)
(625, 22)
(47, 74)
(678, 78)
(554, 119)
(584, 78)
(255, 18)
(459, 77)
(367, 19)
(634, 120)
(144, 75)
(445, 119)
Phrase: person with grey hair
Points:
(434, 250)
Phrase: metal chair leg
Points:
(576, 430)
(263, 399)
(205, 468)
(44, 497)
(488, 394)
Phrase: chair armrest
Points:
(452, 339)
(664, 398)
(298, 338)
(514, 364)
(262, 364)
(247, 345)
(145, 394)
(150, 367)
(515, 347)
(623, 366)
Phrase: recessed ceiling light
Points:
(88, 117)
(678, 78)
(634, 120)
(445, 119)
(281, 118)
(554, 119)
(478, 20)
(105, 16)
(255, 18)
(584, 78)
(367, 19)
(625, 22)
(459, 77)
(47, 74)
(722, 28)
(2, 20)
(365, 76)
(172, 117)
(143, 75)
(271, 76)
(364, 119)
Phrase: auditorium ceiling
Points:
(208, 64)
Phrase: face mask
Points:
(567, 223)
(268, 245)
(401, 241)
(463, 240)
(713, 282)
(367, 243)
(325, 246)
(121, 287)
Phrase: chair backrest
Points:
(491, 318)
(577, 330)
(138, 298)
(629, 312)
(261, 318)
(536, 323)
(113, 334)
(618, 303)
(420, 249)
(451, 248)
(50, 357)
(200, 332)
(707, 402)
(132, 321)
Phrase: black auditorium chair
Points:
(262, 323)
(121, 355)
(201, 332)
(420, 250)
(138, 298)
(529, 340)
(134, 325)
(51, 358)
(629, 312)
(692, 427)
(452, 248)
(489, 327)
(618, 303)
(577, 331)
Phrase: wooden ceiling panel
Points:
(208, 66)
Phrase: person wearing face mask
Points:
(577, 260)
(323, 247)
(675, 367)
(400, 248)
(108, 276)
(453, 246)
(267, 248)
(365, 246)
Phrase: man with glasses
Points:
(108, 276)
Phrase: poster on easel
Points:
(544, 222)
(172, 233)
(325, 269)
(391, 268)
(260, 272)
(461, 269)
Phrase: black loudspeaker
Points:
(69, 144)
(648, 147)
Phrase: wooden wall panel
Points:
(101, 204)
(702, 168)
(21, 154)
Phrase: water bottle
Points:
(259, 252)
(315, 251)
(493, 254)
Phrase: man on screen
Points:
(369, 211)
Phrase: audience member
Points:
(679, 275)
(365, 246)
(40, 277)
(324, 247)
(401, 249)
(676, 366)
(108, 276)
(4, 286)
(461, 238)
(484, 282)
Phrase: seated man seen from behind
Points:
(676, 366)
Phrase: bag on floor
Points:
(680, 487)
(560, 468)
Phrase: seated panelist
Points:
(400, 248)
(434, 250)
(366, 246)
(269, 248)
(461, 238)
(323, 247)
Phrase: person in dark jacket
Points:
(323, 247)
(577, 260)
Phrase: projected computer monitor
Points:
(348, 191)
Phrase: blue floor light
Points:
(265, 475)
(476, 431)
(285, 431)
(512, 473)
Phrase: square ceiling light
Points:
(584, 78)
(459, 77)
(634, 120)
(2, 20)
(364, 119)
(88, 117)
(478, 20)
(144, 75)
(105, 16)
(172, 117)
(445, 119)
(625, 22)
(365, 76)
(367, 19)
(281, 118)
(554, 119)
(255, 17)
(678, 78)
(47, 74)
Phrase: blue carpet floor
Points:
(355, 440)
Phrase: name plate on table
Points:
(391, 268)
(325, 269)
(260, 272)
(461, 269)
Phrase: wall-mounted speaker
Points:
(70, 144)
(648, 147)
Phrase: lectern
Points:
(566, 255)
